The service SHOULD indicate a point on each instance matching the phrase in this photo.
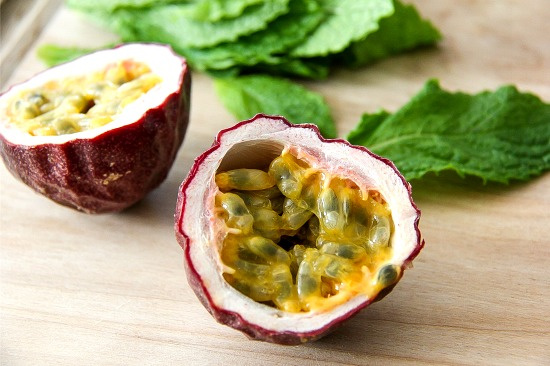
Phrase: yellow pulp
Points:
(81, 103)
(301, 240)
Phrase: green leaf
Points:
(347, 21)
(496, 136)
(215, 10)
(304, 68)
(284, 32)
(314, 68)
(169, 24)
(53, 55)
(246, 96)
(368, 124)
(403, 30)
(173, 24)
(304, 38)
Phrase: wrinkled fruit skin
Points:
(111, 171)
(236, 320)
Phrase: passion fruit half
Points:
(286, 234)
(100, 132)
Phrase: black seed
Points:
(346, 252)
(388, 275)
(246, 255)
(37, 99)
(307, 285)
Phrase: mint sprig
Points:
(248, 95)
(497, 136)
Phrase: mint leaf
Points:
(53, 55)
(246, 96)
(496, 136)
(402, 31)
(368, 124)
(281, 66)
(315, 68)
(304, 38)
(347, 21)
(168, 24)
(284, 32)
(215, 10)
(171, 23)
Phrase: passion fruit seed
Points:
(254, 200)
(286, 297)
(388, 275)
(238, 216)
(326, 241)
(244, 180)
(294, 217)
(308, 282)
(81, 103)
(267, 222)
(349, 251)
(283, 173)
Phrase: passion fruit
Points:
(286, 234)
(100, 132)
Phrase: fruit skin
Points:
(234, 319)
(111, 171)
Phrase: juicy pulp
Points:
(300, 239)
(83, 102)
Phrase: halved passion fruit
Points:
(98, 133)
(286, 234)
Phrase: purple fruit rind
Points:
(233, 319)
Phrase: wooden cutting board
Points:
(111, 289)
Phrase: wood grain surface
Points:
(111, 289)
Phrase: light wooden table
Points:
(111, 289)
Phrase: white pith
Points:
(160, 59)
(339, 157)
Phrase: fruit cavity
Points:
(80, 103)
(301, 239)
